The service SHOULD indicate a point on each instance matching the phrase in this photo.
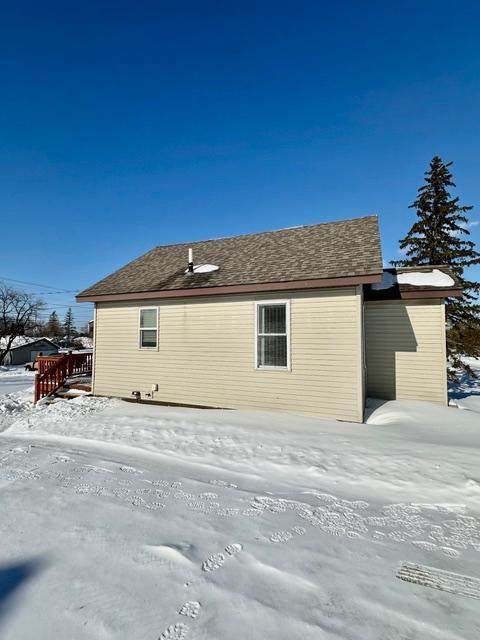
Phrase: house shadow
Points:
(386, 339)
(12, 578)
(466, 386)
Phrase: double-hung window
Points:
(272, 335)
(148, 328)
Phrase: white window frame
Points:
(140, 329)
(259, 303)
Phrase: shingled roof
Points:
(307, 254)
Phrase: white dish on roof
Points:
(204, 268)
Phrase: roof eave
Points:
(317, 283)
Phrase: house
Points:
(302, 320)
(26, 349)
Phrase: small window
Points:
(272, 335)
(148, 338)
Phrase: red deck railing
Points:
(54, 370)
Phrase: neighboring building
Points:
(301, 320)
(26, 349)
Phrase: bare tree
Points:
(18, 313)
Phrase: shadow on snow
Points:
(12, 578)
(466, 386)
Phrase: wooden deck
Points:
(54, 371)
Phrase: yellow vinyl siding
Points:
(405, 350)
(206, 354)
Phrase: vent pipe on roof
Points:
(190, 263)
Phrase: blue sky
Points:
(131, 124)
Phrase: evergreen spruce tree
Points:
(53, 328)
(68, 326)
(439, 237)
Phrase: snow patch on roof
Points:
(433, 278)
(19, 341)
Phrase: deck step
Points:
(80, 387)
(69, 396)
(68, 393)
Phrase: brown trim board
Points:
(417, 295)
(236, 288)
(430, 293)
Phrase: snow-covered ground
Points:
(15, 378)
(126, 521)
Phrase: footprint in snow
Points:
(281, 536)
(217, 560)
(451, 553)
(175, 632)
(353, 534)
(359, 504)
(300, 531)
(60, 458)
(426, 546)
(214, 562)
(190, 609)
(222, 483)
(285, 536)
(21, 449)
(233, 549)
(126, 469)
(333, 530)
(379, 535)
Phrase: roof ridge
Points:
(261, 233)
(324, 250)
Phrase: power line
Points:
(62, 312)
(66, 307)
(44, 286)
(49, 293)
(66, 303)
(83, 312)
